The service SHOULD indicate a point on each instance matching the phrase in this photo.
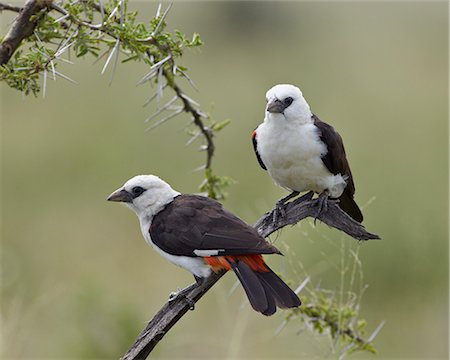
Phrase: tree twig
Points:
(8, 7)
(294, 212)
(21, 28)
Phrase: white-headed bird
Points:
(199, 235)
(301, 152)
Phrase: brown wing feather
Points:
(192, 222)
(335, 159)
(336, 162)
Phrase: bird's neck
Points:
(154, 204)
(301, 118)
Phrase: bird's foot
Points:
(322, 204)
(280, 211)
(182, 294)
(306, 197)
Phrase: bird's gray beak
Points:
(120, 195)
(275, 106)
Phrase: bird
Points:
(303, 153)
(196, 233)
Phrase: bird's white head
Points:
(146, 195)
(286, 102)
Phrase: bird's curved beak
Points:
(120, 195)
(275, 106)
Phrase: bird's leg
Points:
(279, 211)
(322, 204)
(306, 197)
(183, 293)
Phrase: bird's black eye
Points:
(137, 190)
(288, 101)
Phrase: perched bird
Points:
(197, 234)
(303, 153)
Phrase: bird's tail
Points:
(348, 204)
(264, 289)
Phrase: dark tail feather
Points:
(252, 285)
(265, 290)
(285, 298)
(349, 205)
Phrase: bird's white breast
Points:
(292, 153)
(195, 265)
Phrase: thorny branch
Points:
(294, 212)
(23, 28)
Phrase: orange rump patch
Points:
(255, 262)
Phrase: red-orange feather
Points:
(254, 261)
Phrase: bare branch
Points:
(8, 7)
(295, 211)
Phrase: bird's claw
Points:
(279, 212)
(322, 205)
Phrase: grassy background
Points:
(78, 281)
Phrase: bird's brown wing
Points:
(335, 159)
(336, 162)
(194, 225)
(255, 147)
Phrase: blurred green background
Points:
(78, 281)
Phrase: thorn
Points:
(376, 331)
(66, 77)
(44, 85)
(162, 19)
(117, 48)
(158, 10)
(151, 98)
(200, 168)
(65, 60)
(101, 56)
(102, 11)
(147, 77)
(280, 327)
(170, 102)
(113, 49)
(184, 96)
(114, 11)
(160, 81)
(160, 122)
(153, 69)
(122, 12)
(188, 79)
(62, 18)
(53, 70)
(193, 138)
(233, 288)
(64, 48)
(302, 285)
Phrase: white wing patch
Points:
(208, 252)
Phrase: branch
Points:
(13, 8)
(197, 117)
(294, 212)
(21, 28)
(332, 215)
